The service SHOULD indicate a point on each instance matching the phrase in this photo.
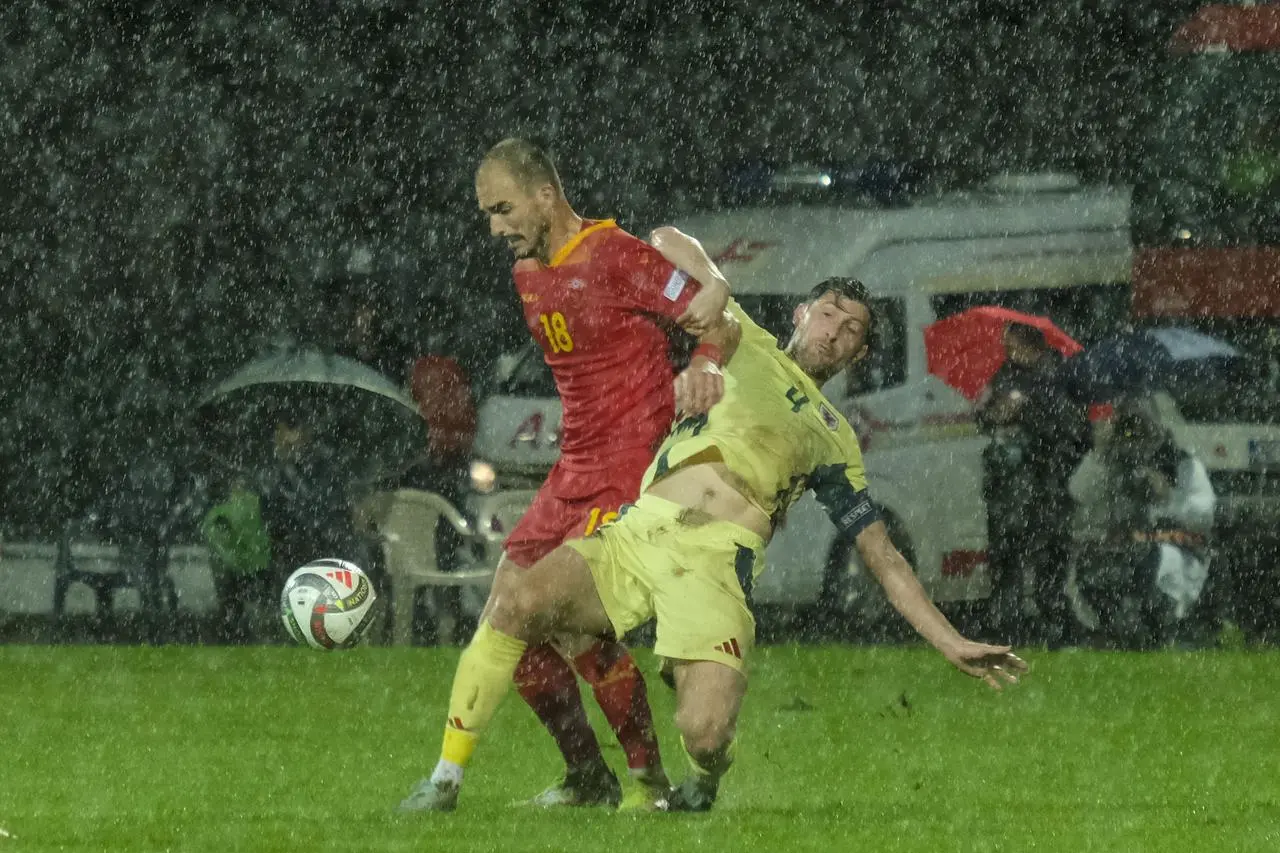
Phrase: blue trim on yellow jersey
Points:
(744, 564)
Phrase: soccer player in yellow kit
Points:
(686, 553)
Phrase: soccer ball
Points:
(327, 604)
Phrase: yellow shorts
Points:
(695, 579)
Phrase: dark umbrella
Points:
(1147, 360)
(307, 366)
(365, 418)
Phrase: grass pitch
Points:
(869, 749)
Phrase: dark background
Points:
(179, 180)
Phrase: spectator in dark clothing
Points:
(145, 518)
(1039, 434)
(308, 502)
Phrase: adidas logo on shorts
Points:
(730, 647)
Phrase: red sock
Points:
(619, 689)
(547, 683)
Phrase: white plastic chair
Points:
(405, 522)
(497, 514)
(27, 572)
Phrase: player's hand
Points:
(706, 307)
(698, 387)
(995, 665)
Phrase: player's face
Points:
(517, 216)
(831, 334)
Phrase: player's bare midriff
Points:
(709, 491)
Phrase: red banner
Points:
(1229, 28)
(1242, 282)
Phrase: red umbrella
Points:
(965, 350)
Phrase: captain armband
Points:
(858, 514)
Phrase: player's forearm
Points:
(723, 337)
(904, 590)
(687, 253)
(910, 599)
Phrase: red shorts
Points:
(572, 504)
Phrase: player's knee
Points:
(705, 730)
(517, 608)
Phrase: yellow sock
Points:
(483, 677)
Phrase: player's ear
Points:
(797, 316)
(859, 355)
(546, 196)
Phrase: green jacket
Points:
(1251, 172)
(236, 534)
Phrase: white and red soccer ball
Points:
(327, 604)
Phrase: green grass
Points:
(282, 749)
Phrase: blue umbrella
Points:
(1145, 360)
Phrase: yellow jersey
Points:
(776, 431)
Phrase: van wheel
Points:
(852, 604)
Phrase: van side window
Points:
(524, 373)
(772, 312)
(1086, 312)
(886, 363)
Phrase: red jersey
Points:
(600, 311)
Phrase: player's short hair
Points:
(846, 288)
(528, 164)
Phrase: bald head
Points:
(527, 164)
(518, 189)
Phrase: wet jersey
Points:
(776, 431)
(601, 310)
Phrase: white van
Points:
(1045, 246)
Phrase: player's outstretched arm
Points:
(687, 253)
(993, 664)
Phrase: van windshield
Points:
(524, 373)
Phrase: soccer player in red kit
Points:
(601, 304)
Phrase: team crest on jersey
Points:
(577, 284)
(829, 417)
